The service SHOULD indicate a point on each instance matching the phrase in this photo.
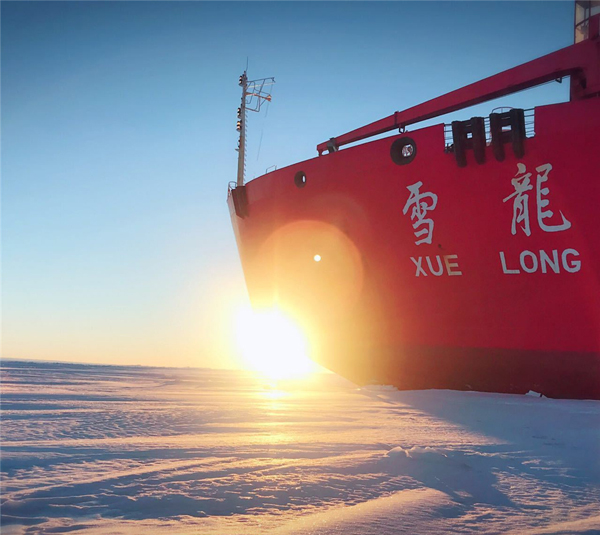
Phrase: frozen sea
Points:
(109, 449)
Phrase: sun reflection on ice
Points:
(274, 394)
(271, 343)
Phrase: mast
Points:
(241, 128)
(254, 93)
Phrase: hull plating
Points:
(428, 275)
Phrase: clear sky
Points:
(118, 138)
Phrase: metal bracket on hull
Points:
(460, 133)
(508, 126)
(332, 145)
(471, 135)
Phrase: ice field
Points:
(105, 449)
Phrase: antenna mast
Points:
(254, 93)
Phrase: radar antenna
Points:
(254, 94)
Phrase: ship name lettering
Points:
(435, 265)
(421, 202)
(531, 262)
(522, 186)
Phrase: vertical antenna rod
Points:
(241, 127)
(254, 94)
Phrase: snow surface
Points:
(105, 449)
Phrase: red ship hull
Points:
(425, 274)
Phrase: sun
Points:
(271, 343)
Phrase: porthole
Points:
(403, 150)
(300, 179)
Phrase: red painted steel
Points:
(582, 61)
(500, 293)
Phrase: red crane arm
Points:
(580, 61)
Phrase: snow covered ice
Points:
(106, 449)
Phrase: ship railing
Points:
(529, 128)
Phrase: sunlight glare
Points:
(272, 344)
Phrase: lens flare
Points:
(309, 268)
(271, 343)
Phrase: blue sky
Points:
(118, 138)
